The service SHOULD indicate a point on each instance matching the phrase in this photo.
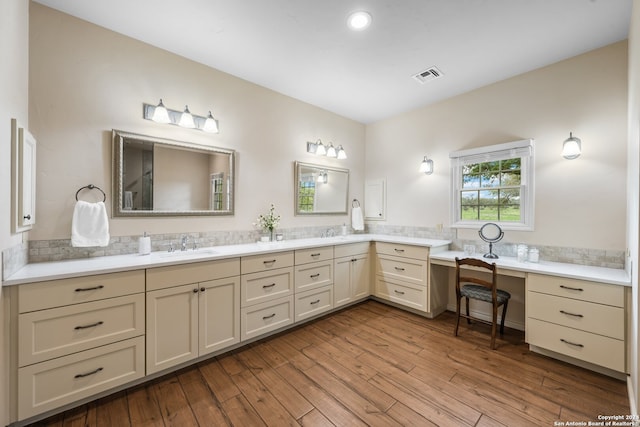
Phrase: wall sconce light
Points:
(318, 148)
(161, 114)
(571, 147)
(426, 166)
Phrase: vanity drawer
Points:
(56, 332)
(58, 293)
(266, 317)
(257, 263)
(54, 383)
(266, 286)
(592, 348)
(578, 289)
(313, 302)
(351, 249)
(303, 256)
(402, 293)
(409, 270)
(185, 274)
(408, 251)
(587, 316)
(315, 275)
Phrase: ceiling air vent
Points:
(427, 75)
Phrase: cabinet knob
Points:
(195, 290)
(202, 289)
(27, 216)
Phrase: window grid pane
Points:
(497, 197)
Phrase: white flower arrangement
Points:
(268, 222)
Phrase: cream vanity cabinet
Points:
(402, 277)
(352, 268)
(266, 293)
(77, 337)
(314, 287)
(577, 318)
(192, 310)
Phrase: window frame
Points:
(523, 149)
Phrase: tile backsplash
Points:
(56, 250)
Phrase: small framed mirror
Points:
(162, 177)
(321, 190)
(491, 233)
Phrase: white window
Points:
(493, 184)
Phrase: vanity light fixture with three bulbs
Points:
(319, 149)
(161, 114)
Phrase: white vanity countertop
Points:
(573, 271)
(39, 272)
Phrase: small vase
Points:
(272, 235)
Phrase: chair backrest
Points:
(482, 265)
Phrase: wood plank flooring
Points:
(370, 364)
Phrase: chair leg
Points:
(504, 314)
(467, 304)
(455, 333)
(494, 323)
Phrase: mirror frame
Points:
(298, 168)
(118, 138)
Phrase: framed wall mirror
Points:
(321, 190)
(162, 177)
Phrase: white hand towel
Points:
(89, 225)
(357, 221)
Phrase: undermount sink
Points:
(186, 254)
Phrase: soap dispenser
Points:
(144, 244)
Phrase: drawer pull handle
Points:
(269, 316)
(315, 276)
(571, 289)
(571, 314)
(314, 302)
(268, 286)
(399, 250)
(93, 288)
(571, 343)
(316, 254)
(399, 269)
(93, 325)
(398, 292)
(271, 261)
(88, 373)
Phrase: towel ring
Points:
(355, 203)
(92, 187)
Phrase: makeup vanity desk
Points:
(575, 313)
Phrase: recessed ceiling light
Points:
(358, 21)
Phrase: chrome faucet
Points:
(183, 244)
(329, 232)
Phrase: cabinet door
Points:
(219, 312)
(172, 326)
(360, 277)
(342, 281)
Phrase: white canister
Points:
(144, 245)
(534, 255)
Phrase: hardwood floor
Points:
(370, 364)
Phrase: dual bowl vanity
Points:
(81, 329)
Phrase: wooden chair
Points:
(483, 290)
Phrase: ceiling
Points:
(304, 49)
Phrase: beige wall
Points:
(633, 191)
(579, 203)
(85, 80)
(14, 44)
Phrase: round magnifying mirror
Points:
(491, 233)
